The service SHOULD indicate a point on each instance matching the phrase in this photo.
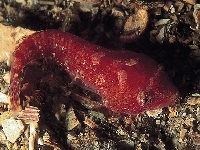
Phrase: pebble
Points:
(72, 121)
(135, 26)
(4, 98)
(6, 77)
(192, 2)
(12, 129)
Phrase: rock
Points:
(12, 129)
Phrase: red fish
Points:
(128, 82)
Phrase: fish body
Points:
(128, 82)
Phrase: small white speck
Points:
(54, 54)
(122, 77)
(15, 75)
(96, 57)
(131, 62)
(100, 79)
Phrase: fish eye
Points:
(143, 98)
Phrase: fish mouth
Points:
(170, 100)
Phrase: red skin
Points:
(128, 82)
